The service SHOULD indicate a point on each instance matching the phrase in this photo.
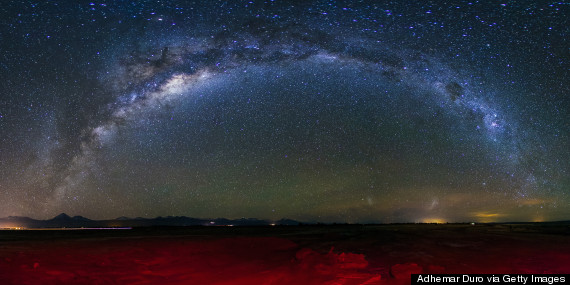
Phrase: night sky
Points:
(328, 111)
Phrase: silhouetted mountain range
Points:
(65, 221)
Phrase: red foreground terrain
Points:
(344, 254)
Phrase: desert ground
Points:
(309, 254)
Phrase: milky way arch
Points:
(170, 72)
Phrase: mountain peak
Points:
(80, 218)
(62, 216)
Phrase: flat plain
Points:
(307, 254)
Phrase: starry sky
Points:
(328, 111)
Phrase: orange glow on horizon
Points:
(433, 221)
(538, 219)
(487, 217)
(11, 227)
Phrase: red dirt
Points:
(314, 256)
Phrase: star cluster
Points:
(330, 111)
